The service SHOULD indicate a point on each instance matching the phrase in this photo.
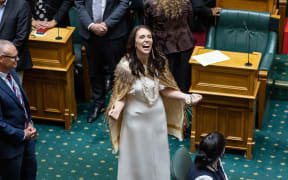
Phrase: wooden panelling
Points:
(229, 92)
(50, 84)
(254, 5)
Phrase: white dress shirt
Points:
(102, 8)
(4, 77)
(2, 9)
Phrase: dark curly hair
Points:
(210, 149)
(156, 61)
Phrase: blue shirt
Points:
(4, 77)
(2, 9)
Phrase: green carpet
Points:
(85, 151)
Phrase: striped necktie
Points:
(17, 94)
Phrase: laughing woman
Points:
(145, 105)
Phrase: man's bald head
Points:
(8, 56)
(4, 44)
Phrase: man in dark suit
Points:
(49, 13)
(15, 26)
(104, 28)
(17, 152)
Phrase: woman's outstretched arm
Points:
(176, 94)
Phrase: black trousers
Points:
(21, 167)
(181, 69)
(103, 56)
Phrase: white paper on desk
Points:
(210, 58)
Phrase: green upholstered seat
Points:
(75, 22)
(78, 72)
(81, 64)
(230, 34)
(180, 164)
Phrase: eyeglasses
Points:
(12, 57)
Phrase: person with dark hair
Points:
(169, 21)
(207, 164)
(145, 105)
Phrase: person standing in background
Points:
(17, 152)
(15, 26)
(169, 21)
(204, 13)
(49, 13)
(104, 28)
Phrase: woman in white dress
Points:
(145, 106)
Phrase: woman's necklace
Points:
(151, 99)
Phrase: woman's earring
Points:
(152, 52)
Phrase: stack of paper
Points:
(210, 58)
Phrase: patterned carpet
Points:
(85, 151)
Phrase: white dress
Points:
(144, 150)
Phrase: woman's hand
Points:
(114, 113)
(38, 24)
(116, 109)
(216, 11)
(192, 99)
(50, 24)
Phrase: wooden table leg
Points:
(262, 94)
(193, 130)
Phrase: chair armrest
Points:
(210, 39)
(269, 52)
(83, 49)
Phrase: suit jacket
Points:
(56, 9)
(16, 26)
(12, 121)
(203, 17)
(115, 16)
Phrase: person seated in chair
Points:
(47, 14)
(207, 164)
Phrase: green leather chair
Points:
(230, 34)
(80, 53)
(75, 22)
(180, 164)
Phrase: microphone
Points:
(247, 30)
(245, 25)
(58, 25)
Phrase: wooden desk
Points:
(50, 84)
(229, 90)
(252, 5)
